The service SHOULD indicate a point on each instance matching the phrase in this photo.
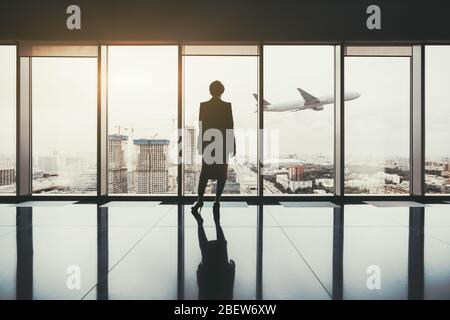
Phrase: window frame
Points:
(26, 51)
(336, 124)
(249, 49)
(103, 125)
(415, 105)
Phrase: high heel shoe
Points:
(196, 212)
(198, 205)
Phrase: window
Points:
(64, 115)
(298, 120)
(437, 119)
(142, 119)
(377, 124)
(237, 68)
(8, 117)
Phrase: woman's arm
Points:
(230, 120)
(231, 127)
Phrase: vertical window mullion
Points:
(417, 122)
(339, 127)
(260, 136)
(102, 116)
(180, 178)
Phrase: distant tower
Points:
(117, 169)
(7, 176)
(296, 173)
(190, 154)
(152, 174)
(48, 164)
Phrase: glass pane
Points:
(142, 119)
(64, 112)
(8, 116)
(298, 120)
(437, 117)
(239, 76)
(377, 130)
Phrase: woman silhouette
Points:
(216, 143)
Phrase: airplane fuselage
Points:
(297, 105)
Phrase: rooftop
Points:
(117, 137)
(151, 142)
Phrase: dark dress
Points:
(216, 114)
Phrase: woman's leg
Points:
(220, 186)
(202, 182)
(202, 239)
(221, 183)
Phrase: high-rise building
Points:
(117, 168)
(296, 173)
(446, 162)
(7, 176)
(48, 164)
(189, 156)
(152, 174)
(131, 178)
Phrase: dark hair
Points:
(216, 88)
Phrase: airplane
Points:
(309, 102)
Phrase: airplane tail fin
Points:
(265, 102)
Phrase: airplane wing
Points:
(307, 97)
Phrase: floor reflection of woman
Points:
(215, 274)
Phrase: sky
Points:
(143, 96)
(7, 100)
(311, 68)
(377, 123)
(64, 106)
(143, 90)
(437, 111)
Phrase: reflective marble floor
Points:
(62, 250)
